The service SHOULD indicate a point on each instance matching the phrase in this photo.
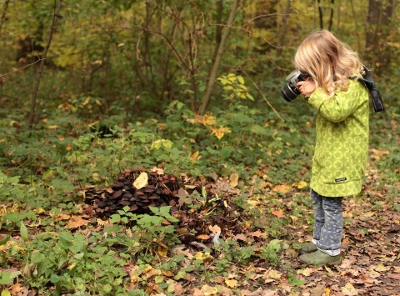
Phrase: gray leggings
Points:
(328, 223)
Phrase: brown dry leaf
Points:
(197, 292)
(141, 181)
(203, 237)
(318, 290)
(14, 289)
(62, 217)
(231, 283)
(258, 233)
(234, 180)
(157, 170)
(214, 229)
(241, 237)
(284, 188)
(77, 222)
(278, 213)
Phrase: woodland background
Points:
(188, 90)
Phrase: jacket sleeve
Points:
(340, 106)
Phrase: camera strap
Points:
(376, 98)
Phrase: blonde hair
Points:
(329, 61)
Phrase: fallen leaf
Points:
(141, 181)
(381, 268)
(203, 237)
(318, 290)
(306, 271)
(258, 233)
(214, 229)
(234, 180)
(278, 213)
(203, 257)
(76, 222)
(274, 274)
(231, 283)
(301, 185)
(349, 290)
(282, 188)
(162, 250)
(62, 217)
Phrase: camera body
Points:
(290, 91)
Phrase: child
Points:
(342, 127)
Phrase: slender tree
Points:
(214, 71)
(56, 15)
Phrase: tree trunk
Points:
(214, 71)
(282, 33)
(377, 53)
(40, 70)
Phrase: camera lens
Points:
(289, 92)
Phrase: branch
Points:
(26, 66)
(265, 99)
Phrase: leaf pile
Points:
(198, 206)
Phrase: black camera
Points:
(290, 91)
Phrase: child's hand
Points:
(306, 87)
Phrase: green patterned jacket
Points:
(341, 150)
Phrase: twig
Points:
(269, 104)
(26, 66)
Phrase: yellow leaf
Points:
(349, 289)
(220, 132)
(86, 101)
(162, 250)
(274, 274)
(203, 257)
(306, 271)
(141, 181)
(234, 180)
(167, 273)
(40, 211)
(380, 267)
(207, 119)
(195, 156)
(68, 147)
(231, 283)
(71, 266)
(282, 188)
(327, 292)
(301, 185)
(65, 106)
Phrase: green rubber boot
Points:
(319, 258)
(308, 248)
